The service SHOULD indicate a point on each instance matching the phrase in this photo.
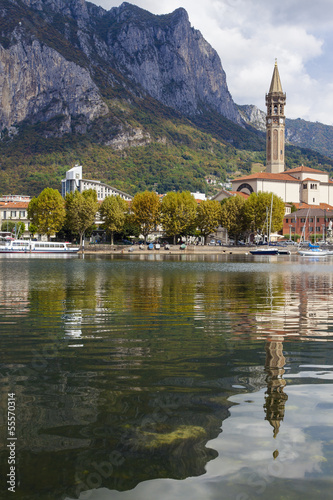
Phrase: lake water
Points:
(167, 377)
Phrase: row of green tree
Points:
(177, 212)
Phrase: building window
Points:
(318, 229)
(4, 216)
(311, 229)
(318, 219)
(287, 220)
(13, 213)
(22, 213)
(311, 219)
(302, 220)
(305, 186)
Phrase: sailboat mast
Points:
(270, 222)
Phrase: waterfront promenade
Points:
(173, 250)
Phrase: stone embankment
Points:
(173, 250)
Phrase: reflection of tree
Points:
(275, 399)
(146, 292)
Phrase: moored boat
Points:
(14, 246)
(265, 251)
(313, 252)
(283, 251)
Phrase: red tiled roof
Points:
(14, 205)
(302, 168)
(267, 175)
(239, 193)
(323, 206)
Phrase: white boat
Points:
(265, 251)
(14, 246)
(313, 252)
(270, 249)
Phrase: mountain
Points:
(140, 100)
(52, 56)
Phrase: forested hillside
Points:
(74, 88)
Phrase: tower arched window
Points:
(275, 109)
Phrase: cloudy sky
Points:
(249, 34)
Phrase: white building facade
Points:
(75, 182)
(299, 185)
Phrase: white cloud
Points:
(249, 34)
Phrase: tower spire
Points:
(276, 82)
(275, 124)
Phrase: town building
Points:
(15, 197)
(75, 182)
(12, 209)
(298, 185)
(309, 223)
(294, 186)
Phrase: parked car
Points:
(305, 243)
(290, 242)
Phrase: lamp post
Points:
(323, 238)
(290, 226)
(324, 232)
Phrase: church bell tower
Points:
(275, 125)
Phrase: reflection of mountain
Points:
(275, 398)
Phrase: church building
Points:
(301, 185)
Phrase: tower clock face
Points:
(269, 120)
(281, 120)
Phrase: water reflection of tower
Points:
(275, 398)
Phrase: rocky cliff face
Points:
(42, 78)
(253, 116)
(170, 60)
(72, 8)
(38, 84)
